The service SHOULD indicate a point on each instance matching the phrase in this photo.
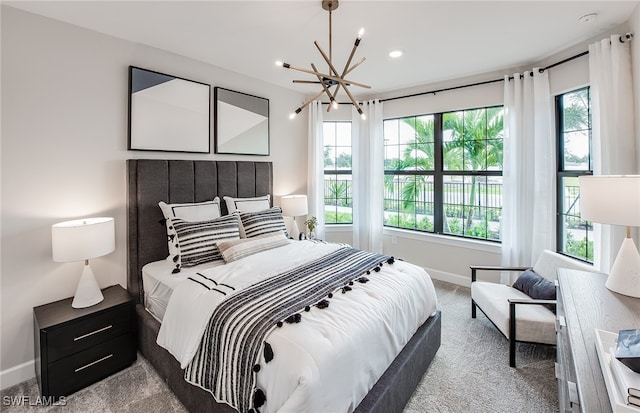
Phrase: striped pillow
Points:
(197, 241)
(239, 248)
(263, 222)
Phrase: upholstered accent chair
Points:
(519, 317)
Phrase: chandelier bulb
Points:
(293, 115)
(360, 33)
(334, 104)
(279, 63)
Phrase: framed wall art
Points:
(241, 123)
(168, 113)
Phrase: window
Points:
(338, 198)
(443, 173)
(573, 125)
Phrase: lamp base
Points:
(624, 277)
(295, 231)
(88, 292)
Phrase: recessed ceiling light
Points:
(588, 18)
(395, 53)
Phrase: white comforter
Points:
(330, 360)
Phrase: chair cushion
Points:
(536, 286)
(548, 263)
(534, 323)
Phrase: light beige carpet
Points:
(470, 373)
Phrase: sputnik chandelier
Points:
(333, 78)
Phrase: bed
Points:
(151, 181)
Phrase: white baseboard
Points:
(449, 277)
(17, 374)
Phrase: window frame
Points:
(562, 173)
(438, 173)
(337, 171)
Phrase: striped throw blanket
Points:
(229, 353)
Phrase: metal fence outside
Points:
(339, 191)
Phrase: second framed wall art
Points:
(241, 123)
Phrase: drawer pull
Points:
(557, 370)
(92, 333)
(573, 393)
(93, 362)
(561, 321)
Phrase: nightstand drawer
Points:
(87, 332)
(79, 370)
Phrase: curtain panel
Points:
(528, 213)
(315, 173)
(613, 136)
(368, 176)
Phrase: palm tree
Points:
(576, 106)
(417, 155)
(575, 118)
(475, 144)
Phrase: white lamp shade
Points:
(294, 205)
(610, 199)
(82, 239)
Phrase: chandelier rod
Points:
(347, 69)
(330, 38)
(336, 78)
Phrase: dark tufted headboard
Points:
(151, 181)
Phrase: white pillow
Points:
(235, 249)
(190, 212)
(259, 203)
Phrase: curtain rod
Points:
(542, 69)
(623, 38)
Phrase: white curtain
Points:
(368, 177)
(613, 137)
(528, 212)
(315, 174)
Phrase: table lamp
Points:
(294, 206)
(80, 240)
(615, 200)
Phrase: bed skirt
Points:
(388, 395)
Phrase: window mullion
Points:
(438, 208)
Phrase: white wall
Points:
(64, 146)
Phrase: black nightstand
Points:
(75, 347)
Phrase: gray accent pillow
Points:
(537, 287)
